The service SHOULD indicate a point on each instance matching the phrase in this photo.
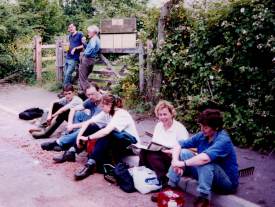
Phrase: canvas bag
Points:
(145, 180)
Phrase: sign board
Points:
(114, 26)
(114, 41)
(118, 33)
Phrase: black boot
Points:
(66, 156)
(46, 133)
(85, 172)
(49, 146)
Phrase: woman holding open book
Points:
(167, 133)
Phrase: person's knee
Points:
(78, 115)
(173, 176)
(206, 168)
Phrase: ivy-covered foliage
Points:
(226, 56)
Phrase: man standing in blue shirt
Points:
(87, 60)
(72, 58)
(215, 166)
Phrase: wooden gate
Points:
(118, 36)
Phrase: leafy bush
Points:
(19, 23)
(127, 87)
(225, 55)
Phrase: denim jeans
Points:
(68, 70)
(81, 116)
(211, 177)
(69, 139)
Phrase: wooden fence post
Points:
(38, 57)
(141, 67)
(59, 63)
(149, 71)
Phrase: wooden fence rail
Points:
(58, 58)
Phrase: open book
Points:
(153, 146)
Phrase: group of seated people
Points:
(102, 120)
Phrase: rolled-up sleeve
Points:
(91, 46)
(219, 149)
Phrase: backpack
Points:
(31, 113)
(123, 178)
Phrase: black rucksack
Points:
(31, 113)
(123, 178)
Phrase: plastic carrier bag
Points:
(145, 180)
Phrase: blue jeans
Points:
(68, 70)
(68, 140)
(211, 177)
(81, 116)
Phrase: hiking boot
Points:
(49, 145)
(66, 156)
(201, 202)
(32, 130)
(58, 148)
(84, 172)
(47, 132)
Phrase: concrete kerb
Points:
(190, 185)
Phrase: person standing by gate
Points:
(87, 59)
(72, 58)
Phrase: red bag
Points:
(171, 198)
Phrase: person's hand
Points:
(79, 140)
(49, 120)
(70, 127)
(167, 151)
(73, 51)
(83, 40)
(178, 170)
(177, 163)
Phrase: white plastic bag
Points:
(145, 180)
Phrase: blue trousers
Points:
(68, 70)
(68, 140)
(211, 177)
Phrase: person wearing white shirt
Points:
(58, 112)
(116, 136)
(168, 132)
(77, 116)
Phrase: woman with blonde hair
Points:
(168, 132)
